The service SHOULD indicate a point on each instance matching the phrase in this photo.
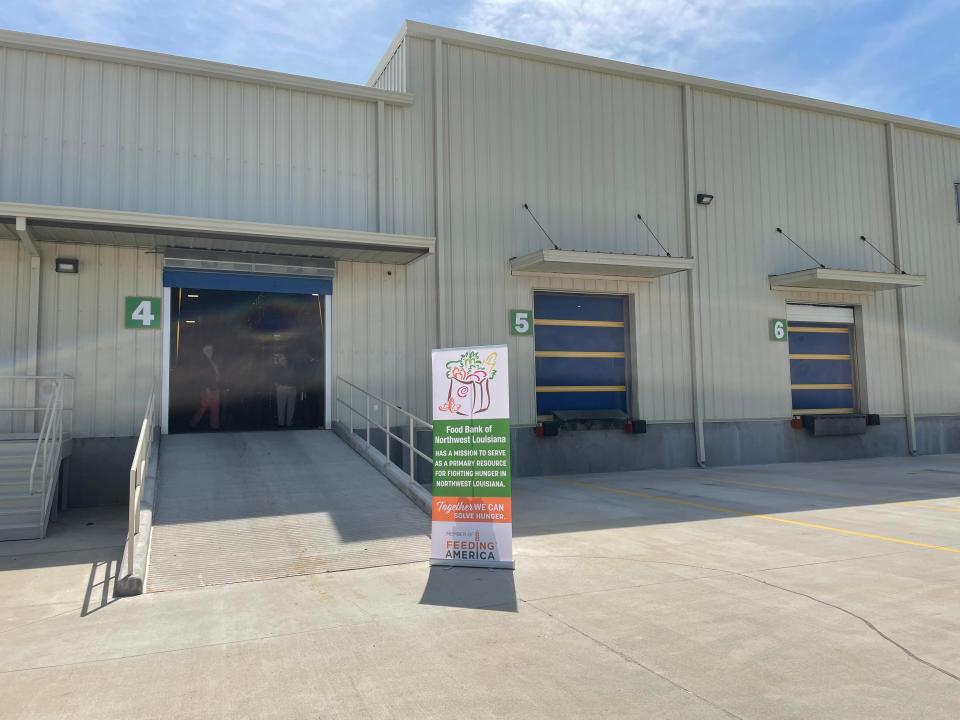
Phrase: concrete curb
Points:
(132, 584)
(413, 490)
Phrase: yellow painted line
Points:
(939, 508)
(579, 323)
(576, 354)
(822, 386)
(580, 388)
(813, 356)
(824, 493)
(832, 330)
(825, 411)
(771, 518)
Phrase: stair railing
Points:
(138, 470)
(348, 413)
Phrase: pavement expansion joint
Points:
(633, 661)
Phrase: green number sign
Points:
(142, 312)
(521, 322)
(778, 330)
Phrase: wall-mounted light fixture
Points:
(193, 295)
(704, 198)
(67, 265)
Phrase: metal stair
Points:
(30, 462)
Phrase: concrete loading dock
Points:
(789, 591)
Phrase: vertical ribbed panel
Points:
(409, 141)
(587, 152)
(394, 74)
(82, 331)
(928, 166)
(821, 178)
(382, 321)
(87, 133)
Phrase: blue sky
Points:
(901, 56)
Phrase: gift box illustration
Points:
(469, 389)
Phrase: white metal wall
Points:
(89, 133)
(383, 320)
(823, 180)
(927, 166)
(82, 332)
(587, 152)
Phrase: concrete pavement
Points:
(826, 590)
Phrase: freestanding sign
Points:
(472, 507)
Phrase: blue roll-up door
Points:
(822, 379)
(247, 282)
(581, 344)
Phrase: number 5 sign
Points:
(141, 312)
(521, 322)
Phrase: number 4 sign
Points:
(142, 312)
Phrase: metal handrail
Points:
(138, 469)
(411, 421)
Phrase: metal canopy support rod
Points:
(819, 264)
(650, 230)
(877, 250)
(901, 308)
(545, 233)
(693, 277)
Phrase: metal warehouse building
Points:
(685, 271)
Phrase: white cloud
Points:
(664, 33)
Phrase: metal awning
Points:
(53, 223)
(834, 280)
(601, 265)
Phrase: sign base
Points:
(491, 564)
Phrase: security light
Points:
(192, 295)
(67, 265)
(704, 198)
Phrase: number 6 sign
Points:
(778, 330)
(142, 312)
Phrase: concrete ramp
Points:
(236, 507)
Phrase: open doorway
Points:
(245, 360)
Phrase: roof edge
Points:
(476, 41)
(388, 54)
(208, 68)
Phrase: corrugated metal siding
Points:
(82, 332)
(822, 179)
(587, 152)
(98, 134)
(409, 144)
(394, 74)
(383, 317)
(928, 166)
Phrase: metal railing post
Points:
(412, 453)
(131, 520)
(386, 427)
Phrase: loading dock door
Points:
(821, 359)
(581, 345)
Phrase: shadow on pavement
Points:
(476, 588)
